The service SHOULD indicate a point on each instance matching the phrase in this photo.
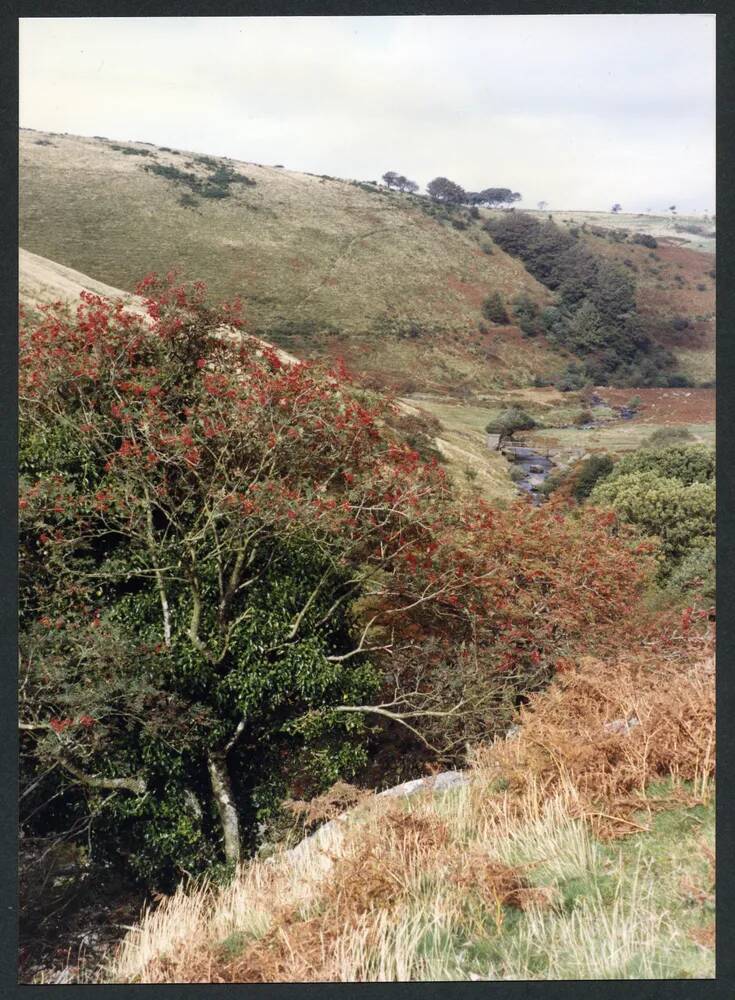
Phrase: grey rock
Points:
(442, 782)
(435, 783)
(621, 726)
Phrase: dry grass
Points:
(476, 883)
(567, 736)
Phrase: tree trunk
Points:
(222, 791)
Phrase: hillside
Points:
(312, 257)
(343, 268)
(675, 294)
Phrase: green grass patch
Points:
(622, 909)
(617, 438)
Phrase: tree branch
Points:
(137, 785)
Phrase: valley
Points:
(331, 267)
(328, 487)
(350, 270)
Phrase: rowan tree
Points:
(231, 569)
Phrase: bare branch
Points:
(399, 717)
(134, 784)
(361, 647)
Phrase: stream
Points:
(537, 466)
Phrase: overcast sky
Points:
(580, 111)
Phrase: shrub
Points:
(582, 417)
(213, 191)
(172, 173)
(524, 307)
(516, 473)
(207, 161)
(695, 576)
(131, 150)
(681, 515)
(679, 381)
(572, 379)
(687, 463)
(645, 240)
(665, 436)
(592, 471)
(494, 309)
(217, 185)
(226, 175)
(554, 482)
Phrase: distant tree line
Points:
(398, 181)
(444, 190)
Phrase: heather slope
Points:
(675, 296)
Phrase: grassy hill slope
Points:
(311, 256)
(692, 231)
(41, 281)
(342, 267)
